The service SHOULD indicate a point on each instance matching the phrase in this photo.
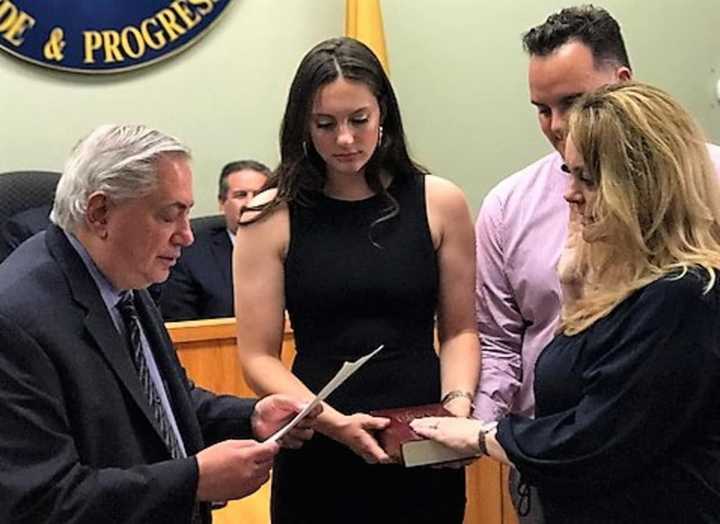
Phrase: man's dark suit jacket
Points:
(200, 284)
(22, 226)
(77, 440)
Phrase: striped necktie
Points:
(130, 317)
(129, 313)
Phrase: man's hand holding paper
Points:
(278, 411)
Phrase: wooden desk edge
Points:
(210, 329)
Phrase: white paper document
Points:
(347, 369)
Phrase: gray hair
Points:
(118, 160)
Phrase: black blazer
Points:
(200, 284)
(77, 440)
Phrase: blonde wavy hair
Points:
(657, 210)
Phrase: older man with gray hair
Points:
(99, 422)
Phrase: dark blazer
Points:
(200, 284)
(77, 440)
(23, 225)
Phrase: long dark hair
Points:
(301, 174)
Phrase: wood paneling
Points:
(208, 351)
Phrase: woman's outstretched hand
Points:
(356, 432)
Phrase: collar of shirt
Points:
(110, 295)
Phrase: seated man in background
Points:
(21, 226)
(99, 421)
(200, 284)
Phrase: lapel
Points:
(98, 322)
(221, 249)
(171, 371)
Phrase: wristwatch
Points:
(485, 428)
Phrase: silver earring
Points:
(305, 148)
(380, 136)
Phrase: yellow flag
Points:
(363, 21)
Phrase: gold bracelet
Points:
(457, 393)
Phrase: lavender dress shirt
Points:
(520, 233)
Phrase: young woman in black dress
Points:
(362, 247)
(627, 426)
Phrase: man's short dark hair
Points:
(592, 26)
(238, 165)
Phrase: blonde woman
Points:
(627, 426)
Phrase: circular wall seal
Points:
(90, 36)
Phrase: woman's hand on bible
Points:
(356, 432)
(458, 433)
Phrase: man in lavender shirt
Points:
(522, 225)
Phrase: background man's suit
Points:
(200, 284)
(77, 433)
(23, 225)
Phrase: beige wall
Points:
(462, 75)
(457, 66)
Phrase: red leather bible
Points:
(407, 447)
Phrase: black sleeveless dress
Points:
(350, 288)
